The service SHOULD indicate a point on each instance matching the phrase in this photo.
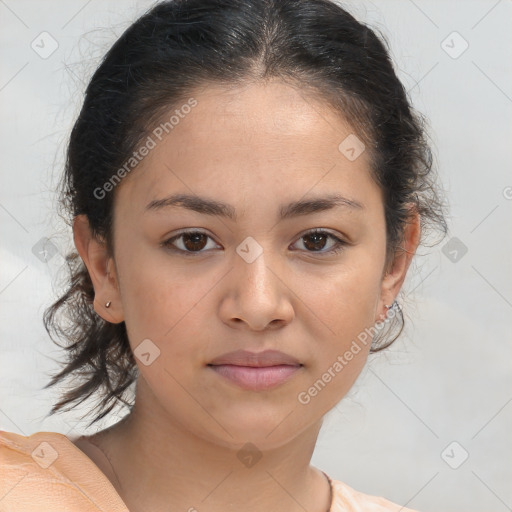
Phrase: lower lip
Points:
(256, 378)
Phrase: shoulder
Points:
(347, 499)
(46, 471)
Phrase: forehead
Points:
(272, 109)
(270, 139)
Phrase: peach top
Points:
(47, 472)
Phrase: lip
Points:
(257, 359)
(256, 371)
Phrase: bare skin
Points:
(255, 148)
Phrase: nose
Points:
(256, 295)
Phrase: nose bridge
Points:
(252, 262)
(258, 295)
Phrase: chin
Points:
(264, 426)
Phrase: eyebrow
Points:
(216, 208)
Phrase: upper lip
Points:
(247, 358)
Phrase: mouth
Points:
(256, 378)
(256, 371)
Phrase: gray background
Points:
(446, 380)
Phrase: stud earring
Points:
(107, 305)
(393, 305)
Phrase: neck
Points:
(157, 462)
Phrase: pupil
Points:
(315, 236)
(195, 239)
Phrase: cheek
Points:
(346, 298)
(341, 308)
(164, 301)
(149, 291)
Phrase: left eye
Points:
(193, 242)
(318, 237)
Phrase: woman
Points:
(248, 185)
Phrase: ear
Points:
(101, 269)
(397, 269)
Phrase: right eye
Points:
(187, 242)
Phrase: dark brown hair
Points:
(172, 50)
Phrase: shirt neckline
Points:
(114, 495)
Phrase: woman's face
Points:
(255, 282)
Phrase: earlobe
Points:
(101, 268)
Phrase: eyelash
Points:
(338, 247)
